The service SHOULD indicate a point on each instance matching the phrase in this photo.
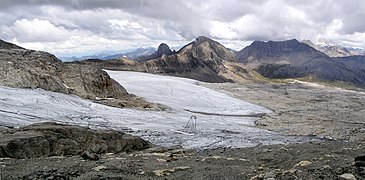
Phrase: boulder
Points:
(51, 139)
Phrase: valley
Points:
(276, 109)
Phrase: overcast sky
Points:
(76, 27)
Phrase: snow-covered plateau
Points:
(221, 120)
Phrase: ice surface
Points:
(19, 107)
(183, 94)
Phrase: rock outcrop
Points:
(22, 68)
(51, 139)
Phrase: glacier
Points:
(221, 120)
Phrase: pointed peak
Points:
(162, 49)
(163, 46)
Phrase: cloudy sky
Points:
(79, 27)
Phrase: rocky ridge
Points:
(207, 60)
(22, 68)
(292, 59)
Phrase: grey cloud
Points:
(158, 20)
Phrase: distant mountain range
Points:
(334, 50)
(105, 56)
(207, 60)
(132, 55)
(203, 59)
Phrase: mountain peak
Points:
(162, 49)
(288, 44)
(278, 51)
(202, 39)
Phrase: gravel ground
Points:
(319, 160)
(305, 108)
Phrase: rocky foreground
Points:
(321, 160)
(51, 139)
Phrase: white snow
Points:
(19, 107)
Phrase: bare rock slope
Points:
(22, 68)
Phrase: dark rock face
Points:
(51, 139)
(163, 49)
(280, 71)
(292, 59)
(353, 61)
(22, 68)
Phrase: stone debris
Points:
(360, 161)
(303, 163)
(99, 168)
(87, 155)
(166, 172)
(347, 176)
